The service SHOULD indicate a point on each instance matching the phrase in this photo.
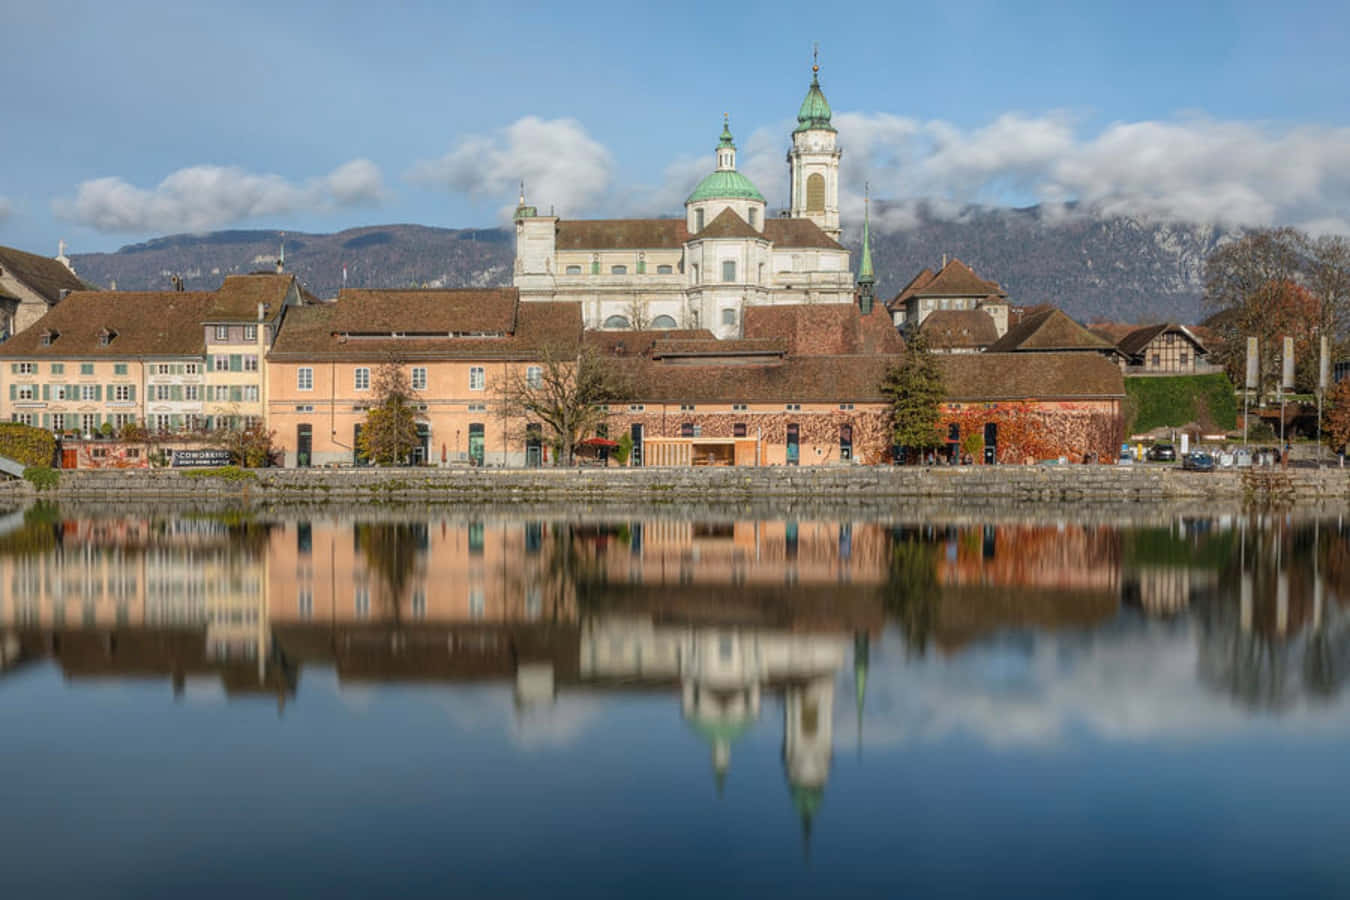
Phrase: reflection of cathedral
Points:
(722, 675)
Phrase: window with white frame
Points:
(361, 379)
(419, 378)
(250, 362)
(26, 392)
(250, 393)
(728, 270)
(88, 391)
(58, 421)
(250, 332)
(190, 369)
(26, 368)
(121, 420)
(191, 392)
(304, 379)
(477, 378)
(534, 376)
(22, 418)
(89, 423)
(222, 332)
(222, 363)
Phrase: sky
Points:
(131, 120)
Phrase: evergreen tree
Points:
(915, 390)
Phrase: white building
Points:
(703, 270)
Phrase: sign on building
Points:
(183, 458)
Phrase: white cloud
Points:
(562, 166)
(1199, 170)
(200, 198)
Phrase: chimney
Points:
(261, 311)
(944, 262)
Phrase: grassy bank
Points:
(1175, 400)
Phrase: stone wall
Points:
(842, 484)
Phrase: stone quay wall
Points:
(843, 484)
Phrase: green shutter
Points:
(46, 392)
(98, 392)
(14, 368)
(236, 362)
(13, 392)
(46, 420)
(132, 395)
(176, 392)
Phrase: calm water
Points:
(198, 705)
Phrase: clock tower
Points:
(813, 162)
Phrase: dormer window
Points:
(49, 337)
(106, 336)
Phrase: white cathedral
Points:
(703, 270)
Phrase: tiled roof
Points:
(321, 332)
(908, 290)
(727, 224)
(1026, 376)
(42, 274)
(958, 280)
(238, 298)
(952, 329)
(466, 311)
(975, 377)
(823, 328)
(621, 234)
(1110, 331)
(1049, 329)
(713, 347)
(1135, 342)
(640, 343)
(147, 323)
(799, 234)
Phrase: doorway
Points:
(476, 444)
(793, 437)
(635, 457)
(534, 443)
(304, 445)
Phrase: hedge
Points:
(1175, 400)
(26, 444)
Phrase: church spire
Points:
(866, 279)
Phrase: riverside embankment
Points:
(1003, 484)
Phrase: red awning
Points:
(599, 442)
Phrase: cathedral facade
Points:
(703, 270)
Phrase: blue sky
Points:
(128, 120)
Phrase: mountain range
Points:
(1093, 267)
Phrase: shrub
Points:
(42, 477)
(26, 444)
(1172, 401)
(224, 473)
(624, 450)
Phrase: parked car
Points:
(1161, 453)
(1242, 458)
(1199, 461)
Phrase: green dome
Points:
(723, 185)
(815, 112)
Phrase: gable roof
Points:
(42, 274)
(621, 234)
(147, 323)
(951, 329)
(640, 343)
(427, 319)
(799, 234)
(1049, 329)
(959, 280)
(1135, 342)
(727, 224)
(823, 328)
(238, 298)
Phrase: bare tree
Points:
(636, 313)
(566, 393)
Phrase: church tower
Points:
(813, 162)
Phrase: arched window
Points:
(617, 322)
(663, 322)
(815, 193)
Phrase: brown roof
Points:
(956, 279)
(974, 377)
(238, 298)
(1135, 342)
(715, 347)
(951, 329)
(466, 311)
(147, 323)
(1026, 376)
(621, 234)
(1049, 329)
(42, 274)
(639, 343)
(799, 233)
(727, 224)
(323, 332)
(1111, 331)
(823, 328)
